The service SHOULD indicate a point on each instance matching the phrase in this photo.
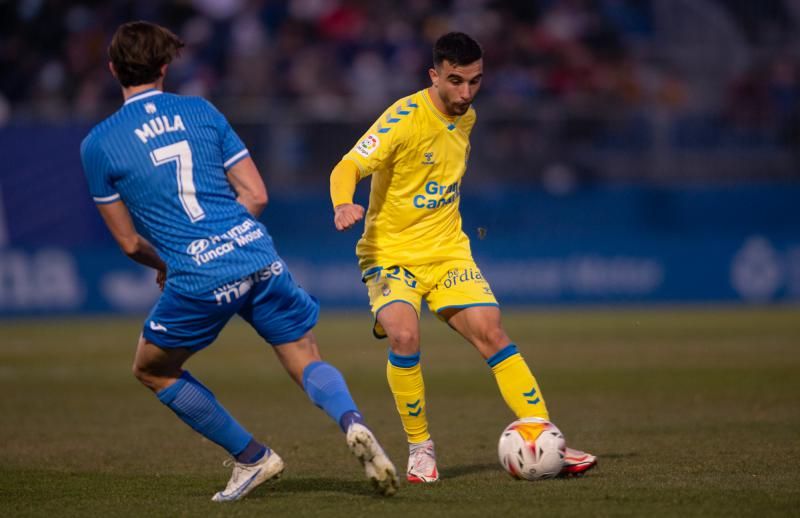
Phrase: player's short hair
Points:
(457, 48)
(138, 50)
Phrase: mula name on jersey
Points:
(158, 126)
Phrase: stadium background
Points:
(631, 195)
(626, 151)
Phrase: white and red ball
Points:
(532, 449)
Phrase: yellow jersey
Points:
(417, 157)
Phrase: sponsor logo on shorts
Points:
(157, 327)
(231, 291)
(459, 276)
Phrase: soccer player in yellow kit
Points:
(413, 246)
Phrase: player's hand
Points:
(347, 215)
(161, 279)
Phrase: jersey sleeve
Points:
(233, 149)
(97, 168)
(375, 149)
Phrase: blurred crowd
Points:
(327, 55)
(335, 56)
(586, 64)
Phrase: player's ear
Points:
(164, 70)
(112, 70)
(434, 77)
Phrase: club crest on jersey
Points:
(428, 158)
(150, 108)
(367, 146)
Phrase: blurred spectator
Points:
(561, 75)
(326, 56)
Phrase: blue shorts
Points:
(269, 300)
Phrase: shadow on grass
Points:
(468, 469)
(626, 455)
(315, 485)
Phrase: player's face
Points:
(457, 85)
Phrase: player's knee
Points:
(140, 373)
(493, 338)
(404, 341)
(148, 377)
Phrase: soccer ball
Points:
(532, 449)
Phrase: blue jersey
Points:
(166, 157)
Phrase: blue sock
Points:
(253, 452)
(197, 407)
(353, 416)
(327, 389)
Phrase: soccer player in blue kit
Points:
(179, 192)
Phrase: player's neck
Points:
(130, 91)
(439, 104)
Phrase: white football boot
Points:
(377, 466)
(246, 477)
(577, 463)
(422, 464)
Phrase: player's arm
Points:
(371, 154)
(242, 172)
(97, 168)
(344, 178)
(118, 220)
(250, 189)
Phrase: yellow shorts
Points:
(444, 285)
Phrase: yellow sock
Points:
(517, 384)
(405, 379)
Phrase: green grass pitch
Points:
(692, 412)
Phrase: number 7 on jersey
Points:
(181, 154)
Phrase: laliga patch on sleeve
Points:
(366, 147)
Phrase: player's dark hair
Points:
(457, 48)
(138, 50)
